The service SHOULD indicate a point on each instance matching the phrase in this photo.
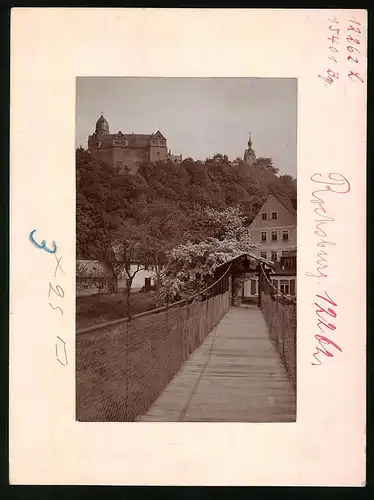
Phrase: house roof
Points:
(271, 196)
(133, 140)
(251, 256)
(289, 208)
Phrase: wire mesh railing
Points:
(281, 317)
(123, 366)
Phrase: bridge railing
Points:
(280, 314)
(123, 366)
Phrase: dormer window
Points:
(264, 216)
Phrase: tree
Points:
(128, 249)
(163, 226)
(266, 163)
(164, 206)
(221, 237)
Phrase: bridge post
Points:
(259, 286)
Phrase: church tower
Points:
(249, 154)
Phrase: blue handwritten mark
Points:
(43, 244)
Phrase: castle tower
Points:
(102, 126)
(249, 154)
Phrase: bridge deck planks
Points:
(236, 375)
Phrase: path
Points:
(236, 375)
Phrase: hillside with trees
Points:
(149, 215)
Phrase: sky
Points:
(198, 116)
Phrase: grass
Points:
(101, 308)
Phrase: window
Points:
(275, 284)
(284, 287)
(264, 255)
(158, 153)
(292, 287)
(274, 236)
(253, 287)
(274, 215)
(288, 263)
(285, 235)
(119, 164)
(263, 236)
(274, 256)
(264, 216)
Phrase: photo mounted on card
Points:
(179, 284)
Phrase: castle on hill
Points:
(128, 150)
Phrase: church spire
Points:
(249, 154)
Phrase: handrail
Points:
(127, 319)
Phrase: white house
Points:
(92, 278)
(275, 232)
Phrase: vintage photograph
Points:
(186, 245)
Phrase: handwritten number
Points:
(58, 291)
(333, 39)
(334, 29)
(43, 244)
(352, 59)
(350, 39)
(332, 58)
(352, 74)
(350, 48)
(352, 28)
(334, 20)
(355, 21)
(59, 308)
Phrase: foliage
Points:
(170, 217)
(223, 237)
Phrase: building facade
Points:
(126, 150)
(274, 231)
(93, 279)
(177, 159)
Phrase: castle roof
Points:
(102, 125)
(133, 140)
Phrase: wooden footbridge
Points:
(202, 359)
(236, 375)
